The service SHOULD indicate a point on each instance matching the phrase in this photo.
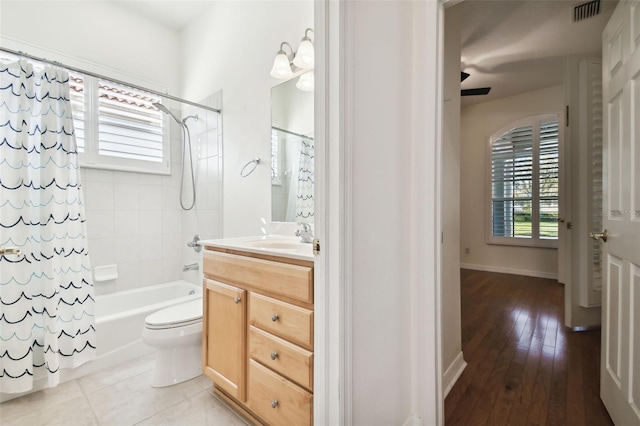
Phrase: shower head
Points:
(166, 111)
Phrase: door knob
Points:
(599, 235)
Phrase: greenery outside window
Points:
(524, 182)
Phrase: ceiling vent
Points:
(586, 10)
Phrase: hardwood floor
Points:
(524, 367)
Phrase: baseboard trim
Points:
(514, 271)
(452, 374)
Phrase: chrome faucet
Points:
(195, 244)
(305, 233)
(190, 267)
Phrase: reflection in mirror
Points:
(292, 153)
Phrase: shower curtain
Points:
(46, 292)
(304, 193)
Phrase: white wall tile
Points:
(127, 196)
(171, 222)
(99, 195)
(126, 177)
(151, 223)
(152, 272)
(170, 198)
(127, 250)
(150, 197)
(101, 251)
(150, 179)
(100, 223)
(128, 276)
(151, 249)
(126, 222)
(172, 245)
(96, 175)
(212, 143)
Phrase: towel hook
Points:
(255, 163)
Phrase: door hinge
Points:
(567, 118)
(316, 246)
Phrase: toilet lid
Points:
(175, 316)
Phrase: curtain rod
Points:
(292, 133)
(96, 75)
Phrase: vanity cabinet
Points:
(225, 327)
(258, 334)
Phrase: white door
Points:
(620, 366)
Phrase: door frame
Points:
(333, 387)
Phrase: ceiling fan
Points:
(472, 92)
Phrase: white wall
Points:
(232, 49)
(479, 122)
(98, 34)
(452, 360)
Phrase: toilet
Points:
(176, 334)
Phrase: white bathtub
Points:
(119, 323)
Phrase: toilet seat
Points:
(181, 315)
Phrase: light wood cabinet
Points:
(258, 334)
(224, 337)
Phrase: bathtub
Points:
(119, 323)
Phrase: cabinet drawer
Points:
(284, 279)
(285, 358)
(277, 400)
(282, 319)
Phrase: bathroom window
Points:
(524, 182)
(117, 127)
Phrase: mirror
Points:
(292, 154)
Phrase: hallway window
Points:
(524, 182)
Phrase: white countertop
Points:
(272, 245)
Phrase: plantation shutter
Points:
(78, 107)
(548, 180)
(128, 125)
(511, 181)
(525, 181)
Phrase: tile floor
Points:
(121, 396)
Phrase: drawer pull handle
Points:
(274, 404)
(237, 300)
(274, 355)
(275, 317)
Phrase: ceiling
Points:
(516, 46)
(512, 46)
(175, 14)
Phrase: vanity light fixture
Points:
(286, 65)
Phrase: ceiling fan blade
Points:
(475, 92)
(463, 76)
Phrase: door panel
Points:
(620, 375)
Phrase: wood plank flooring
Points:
(524, 367)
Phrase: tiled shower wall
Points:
(134, 220)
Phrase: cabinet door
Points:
(224, 337)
